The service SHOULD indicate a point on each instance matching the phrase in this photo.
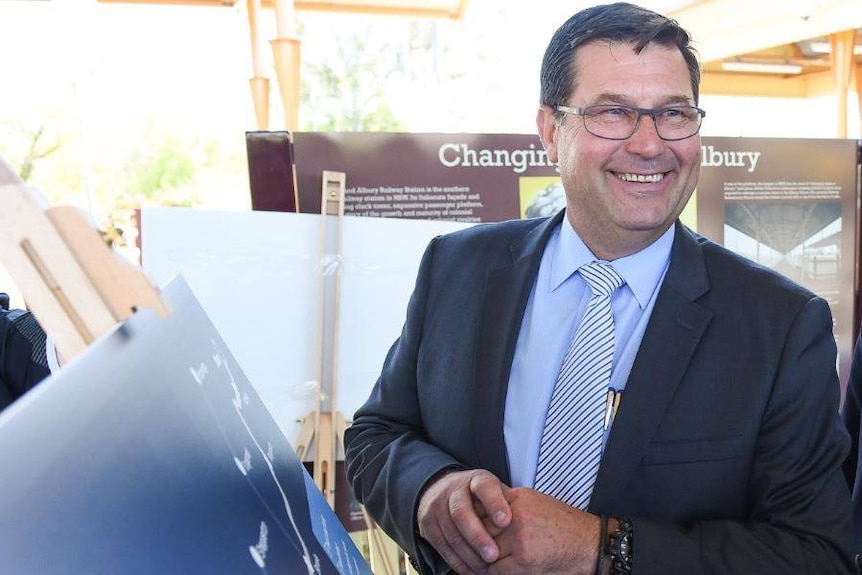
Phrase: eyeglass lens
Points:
(620, 122)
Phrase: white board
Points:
(257, 275)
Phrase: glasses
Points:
(613, 122)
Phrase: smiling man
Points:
(605, 391)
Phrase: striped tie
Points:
(571, 448)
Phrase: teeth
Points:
(642, 178)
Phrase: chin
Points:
(648, 225)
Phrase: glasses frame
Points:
(651, 112)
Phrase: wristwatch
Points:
(621, 548)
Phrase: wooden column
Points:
(285, 50)
(859, 91)
(259, 83)
(842, 70)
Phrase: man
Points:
(719, 440)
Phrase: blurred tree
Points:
(348, 86)
(36, 151)
(162, 170)
(26, 145)
(161, 166)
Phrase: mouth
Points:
(640, 178)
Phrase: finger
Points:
(460, 556)
(470, 527)
(491, 494)
(507, 566)
(436, 525)
(494, 532)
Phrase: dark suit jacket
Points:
(726, 451)
(23, 363)
(852, 415)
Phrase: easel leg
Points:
(377, 547)
(326, 432)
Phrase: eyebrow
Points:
(624, 100)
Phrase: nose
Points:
(645, 141)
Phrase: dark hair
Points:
(620, 22)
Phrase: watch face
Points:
(621, 548)
(624, 549)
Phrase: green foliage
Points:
(349, 86)
(24, 145)
(161, 166)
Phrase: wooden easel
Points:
(74, 284)
(323, 428)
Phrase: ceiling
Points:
(793, 36)
(416, 8)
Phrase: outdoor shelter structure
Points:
(771, 48)
(286, 45)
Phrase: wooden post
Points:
(259, 83)
(859, 91)
(842, 44)
(286, 53)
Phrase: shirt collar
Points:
(642, 271)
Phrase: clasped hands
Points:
(480, 526)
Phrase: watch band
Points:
(621, 548)
(603, 535)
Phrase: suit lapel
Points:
(507, 288)
(672, 335)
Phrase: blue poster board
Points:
(152, 453)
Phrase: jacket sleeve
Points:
(389, 458)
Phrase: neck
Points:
(610, 245)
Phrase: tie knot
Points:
(602, 278)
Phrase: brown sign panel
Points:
(271, 171)
(459, 177)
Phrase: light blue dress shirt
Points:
(554, 310)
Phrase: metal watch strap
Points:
(621, 548)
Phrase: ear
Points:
(546, 124)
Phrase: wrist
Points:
(604, 560)
(602, 546)
(427, 490)
(435, 477)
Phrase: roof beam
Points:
(726, 28)
(453, 9)
(417, 8)
(767, 85)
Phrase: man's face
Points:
(621, 195)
